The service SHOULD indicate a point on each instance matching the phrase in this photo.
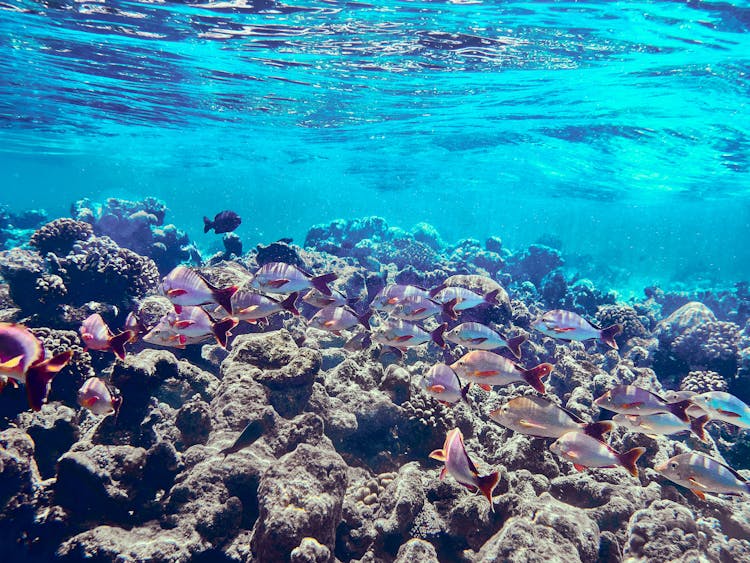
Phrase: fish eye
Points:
(673, 465)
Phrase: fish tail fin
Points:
(437, 335)
(437, 289)
(288, 304)
(207, 224)
(487, 484)
(221, 330)
(514, 345)
(364, 318)
(608, 335)
(321, 282)
(40, 375)
(224, 296)
(629, 458)
(597, 430)
(491, 297)
(465, 393)
(680, 410)
(697, 427)
(448, 309)
(535, 375)
(117, 343)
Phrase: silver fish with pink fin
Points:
(401, 335)
(393, 294)
(586, 451)
(456, 298)
(319, 300)
(566, 325)
(487, 368)
(417, 308)
(462, 469)
(99, 397)
(662, 424)
(335, 319)
(702, 474)
(279, 277)
(195, 323)
(185, 287)
(22, 358)
(629, 399)
(540, 417)
(96, 335)
(477, 336)
(252, 307)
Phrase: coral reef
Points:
(289, 446)
(139, 226)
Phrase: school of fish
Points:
(202, 311)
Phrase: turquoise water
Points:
(621, 128)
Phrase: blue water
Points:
(621, 128)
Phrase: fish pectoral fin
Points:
(436, 388)
(527, 424)
(393, 301)
(438, 455)
(278, 283)
(443, 472)
(329, 323)
(478, 340)
(176, 292)
(574, 455)
(697, 483)
(561, 329)
(485, 387)
(184, 324)
(486, 373)
(632, 405)
(579, 467)
(12, 362)
(89, 402)
(731, 414)
(699, 494)
(404, 338)
(248, 310)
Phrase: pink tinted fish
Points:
(279, 277)
(22, 358)
(461, 468)
(99, 397)
(185, 287)
(566, 325)
(97, 336)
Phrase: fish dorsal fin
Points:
(577, 419)
(732, 471)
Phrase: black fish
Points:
(224, 222)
